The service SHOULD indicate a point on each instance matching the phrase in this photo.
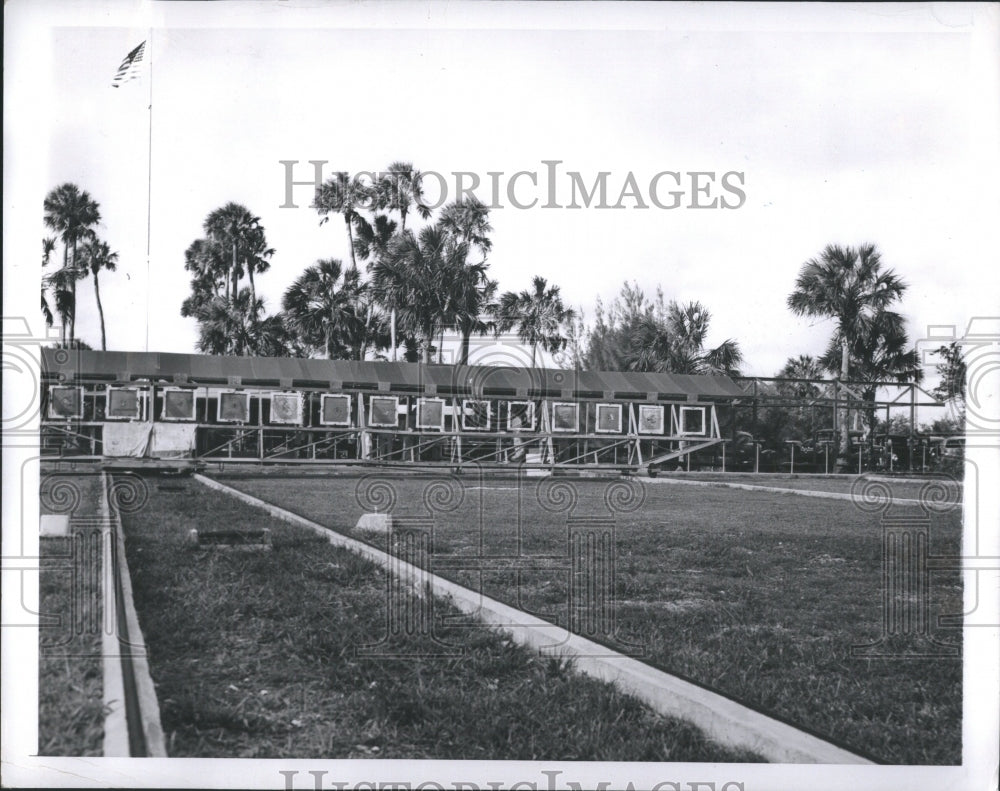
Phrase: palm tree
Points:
(467, 221)
(469, 297)
(323, 307)
(257, 254)
(402, 189)
(880, 352)
(413, 278)
(470, 291)
(71, 213)
(806, 367)
(210, 267)
(847, 284)
(391, 287)
(48, 246)
(234, 326)
(373, 238)
(274, 338)
(538, 314)
(674, 343)
(343, 195)
(98, 256)
(234, 229)
(372, 242)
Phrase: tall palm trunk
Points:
(253, 289)
(100, 311)
(392, 332)
(236, 281)
(392, 311)
(62, 328)
(72, 317)
(845, 429)
(350, 241)
(428, 342)
(466, 338)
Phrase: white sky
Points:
(850, 124)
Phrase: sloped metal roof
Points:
(390, 376)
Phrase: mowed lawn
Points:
(262, 654)
(760, 596)
(70, 683)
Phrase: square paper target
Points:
(565, 417)
(234, 407)
(520, 415)
(430, 413)
(123, 403)
(383, 410)
(178, 405)
(693, 420)
(650, 419)
(476, 415)
(335, 410)
(609, 419)
(66, 402)
(286, 408)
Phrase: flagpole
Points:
(149, 181)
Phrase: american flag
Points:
(130, 68)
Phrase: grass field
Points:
(757, 595)
(70, 685)
(253, 654)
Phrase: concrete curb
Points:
(126, 648)
(115, 723)
(722, 719)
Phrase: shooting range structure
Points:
(142, 410)
(149, 409)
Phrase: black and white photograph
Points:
(477, 395)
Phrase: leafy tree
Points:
(538, 314)
(795, 419)
(638, 334)
(324, 308)
(97, 255)
(72, 214)
(573, 355)
(609, 341)
(952, 370)
(675, 344)
(849, 286)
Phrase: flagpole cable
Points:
(149, 181)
